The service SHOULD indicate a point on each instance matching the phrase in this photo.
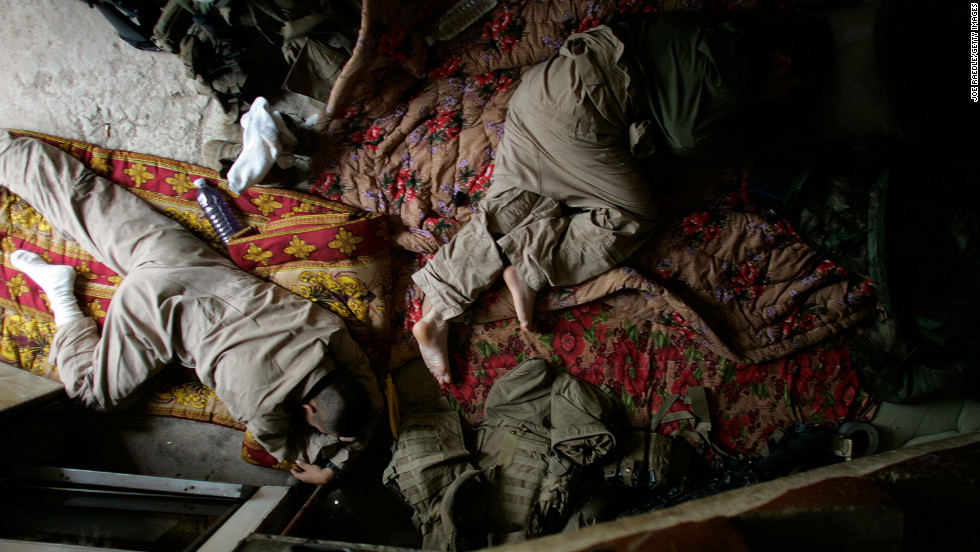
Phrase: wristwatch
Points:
(333, 467)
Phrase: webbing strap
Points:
(533, 444)
(526, 476)
(522, 492)
(424, 485)
(417, 448)
(413, 465)
(531, 461)
(700, 415)
(699, 405)
(521, 439)
(674, 416)
(415, 434)
(422, 480)
(658, 418)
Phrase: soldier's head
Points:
(337, 405)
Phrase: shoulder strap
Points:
(699, 417)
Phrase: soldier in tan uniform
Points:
(286, 368)
(568, 199)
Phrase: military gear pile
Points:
(541, 430)
(431, 469)
(232, 47)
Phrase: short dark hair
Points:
(343, 405)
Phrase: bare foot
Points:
(433, 338)
(523, 297)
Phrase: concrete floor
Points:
(65, 435)
(64, 71)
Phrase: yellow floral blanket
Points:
(332, 254)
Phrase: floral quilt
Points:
(724, 296)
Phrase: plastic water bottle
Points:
(216, 208)
(458, 18)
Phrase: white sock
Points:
(266, 141)
(57, 281)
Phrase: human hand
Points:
(311, 473)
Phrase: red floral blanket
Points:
(724, 296)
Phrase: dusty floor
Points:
(64, 71)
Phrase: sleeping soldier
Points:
(568, 200)
(285, 367)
